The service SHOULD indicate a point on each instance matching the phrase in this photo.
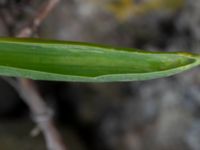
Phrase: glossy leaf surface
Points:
(72, 61)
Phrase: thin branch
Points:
(42, 114)
(11, 81)
(42, 13)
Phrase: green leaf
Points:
(41, 59)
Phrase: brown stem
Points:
(42, 114)
(35, 22)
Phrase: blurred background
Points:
(161, 114)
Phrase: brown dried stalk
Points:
(42, 114)
(42, 13)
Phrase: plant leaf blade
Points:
(41, 59)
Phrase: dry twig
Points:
(42, 114)
(42, 13)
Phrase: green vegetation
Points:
(42, 59)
